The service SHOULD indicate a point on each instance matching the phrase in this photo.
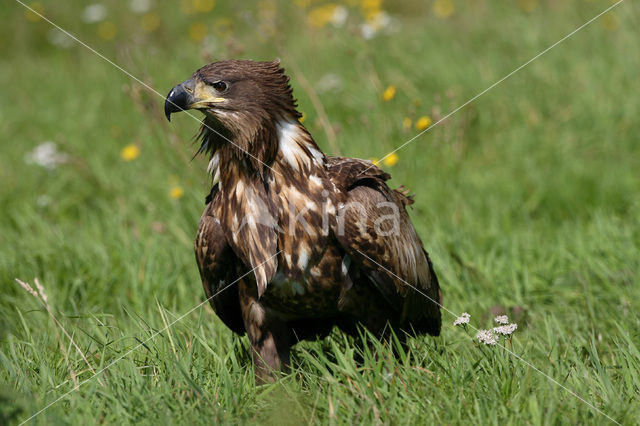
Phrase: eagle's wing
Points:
(376, 232)
(217, 265)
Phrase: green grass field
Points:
(528, 198)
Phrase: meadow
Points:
(527, 199)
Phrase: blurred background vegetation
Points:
(527, 199)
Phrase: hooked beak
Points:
(189, 95)
(179, 98)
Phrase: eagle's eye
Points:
(220, 86)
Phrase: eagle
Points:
(292, 242)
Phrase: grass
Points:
(528, 198)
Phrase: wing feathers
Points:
(249, 222)
(379, 235)
(218, 270)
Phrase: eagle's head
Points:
(242, 101)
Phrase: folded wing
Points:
(217, 264)
(375, 230)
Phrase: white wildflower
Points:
(330, 82)
(506, 330)
(487, 337)
(140, 6)
(339, 17)
(43, 200)
(94, 13)
(381, 21)
(462, 319)
(59, 38)
(46, 155)
(367, 31)
(501, 319)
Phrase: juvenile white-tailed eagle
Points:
(313, 229)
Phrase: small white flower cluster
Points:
(330, 82)
(94, 13)
(59, 38)
(491, 337)
(339, 17)
(46, 155)
(462, 319)
(140, 6)
(506, 330)
(381, 21)
(501, 319)
(487, 337)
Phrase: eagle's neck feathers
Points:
(262, 210)
(296, 148)
(282, 150)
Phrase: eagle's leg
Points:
(269, 336)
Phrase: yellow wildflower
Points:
(406, 123)
(197, 31)
(176, 192)
(391, 160)
(528, 5)
(107, 30)
(371, 17)
(38, 8)
(203, 6)
(130, 152)
(371, 10)
(423, 122)
(302, 118)
(370, 6)
(150, 22)
(321, 15)
(443, 8)
(389, 93)
(374, 160)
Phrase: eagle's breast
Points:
(310, 273)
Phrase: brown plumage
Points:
(311, 230)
